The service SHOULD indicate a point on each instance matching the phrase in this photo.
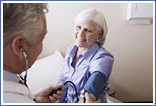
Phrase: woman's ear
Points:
(18, 42)
(98, 37)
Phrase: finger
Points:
(98, 101)
(52, 99)
(87, 96)
(58, 97)
(60, 92)
(81, 100)
(63, 87)
(54, 87)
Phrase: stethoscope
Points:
(26, 66)
(26, 69)
(54, 91)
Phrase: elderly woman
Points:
(87, 64)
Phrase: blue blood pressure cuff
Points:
(95, 84)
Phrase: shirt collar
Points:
(9, 76)
(73, 51)
(90, 52)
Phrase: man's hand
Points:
(42, 94)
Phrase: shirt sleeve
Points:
(100, 70)
(103, 64)
(62, 79)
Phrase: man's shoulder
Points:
(16, 93)
(10, 86)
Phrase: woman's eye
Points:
(87, 30)
(78, 27)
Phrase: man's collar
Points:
(9, 76)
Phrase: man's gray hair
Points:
(22, 19)
(98, 18)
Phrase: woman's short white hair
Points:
(98, 18)
(22, 19)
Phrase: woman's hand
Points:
(42, 94)
(89, 99)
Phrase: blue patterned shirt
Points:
(94, 59)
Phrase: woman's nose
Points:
(81, 33)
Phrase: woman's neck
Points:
(81, 51)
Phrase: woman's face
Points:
(85, 34)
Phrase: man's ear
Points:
(18, 42)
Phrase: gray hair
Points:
(22, 19)
(98, 18)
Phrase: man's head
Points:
(22, 19)
(24, 26)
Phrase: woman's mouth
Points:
(81, 40)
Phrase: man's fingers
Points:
(52, 99)
(58, 97)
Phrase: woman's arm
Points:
(96, 84)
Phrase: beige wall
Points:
(131, 45)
